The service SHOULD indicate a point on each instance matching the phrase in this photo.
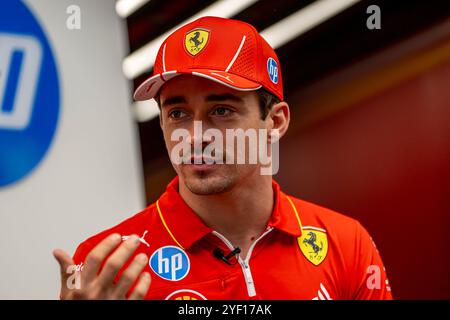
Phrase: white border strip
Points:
(313, 228)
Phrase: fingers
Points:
(130, 275)
(65, 262)
(116, 261)
(141, 288)
(100, 285)
(96, 257)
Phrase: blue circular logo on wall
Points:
(29, 92)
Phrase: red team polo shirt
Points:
(306, 252)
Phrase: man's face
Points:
(186, 99)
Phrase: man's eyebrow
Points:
(212, 97)
(223, 97)
(173, 100)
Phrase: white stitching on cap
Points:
(236, 54)
(224, 83)
(164, 57)
(225, 77)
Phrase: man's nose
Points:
(196, 132)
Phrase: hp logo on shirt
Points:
(170, 263)
(29, 92)
(272, 70)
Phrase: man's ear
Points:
(279, 117)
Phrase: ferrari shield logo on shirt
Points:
(170, 263)
(196, 40)
(314, 244)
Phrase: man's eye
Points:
(222, 111)
(176, 114)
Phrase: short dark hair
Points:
(265, 98)
(266, 101)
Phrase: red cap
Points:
(227, 51)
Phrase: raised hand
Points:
(95, 285)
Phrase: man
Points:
(224, 230)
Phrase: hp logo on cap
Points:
(272, 70)
(170, 263)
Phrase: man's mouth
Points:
(201, 163)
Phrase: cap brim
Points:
(150, 87)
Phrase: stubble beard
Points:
(208, 183)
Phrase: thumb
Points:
(66, 264)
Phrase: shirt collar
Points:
(285, 216)
(185, 226)
(181, 222)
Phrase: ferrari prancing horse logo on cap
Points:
(314, 244)
(196, 40)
